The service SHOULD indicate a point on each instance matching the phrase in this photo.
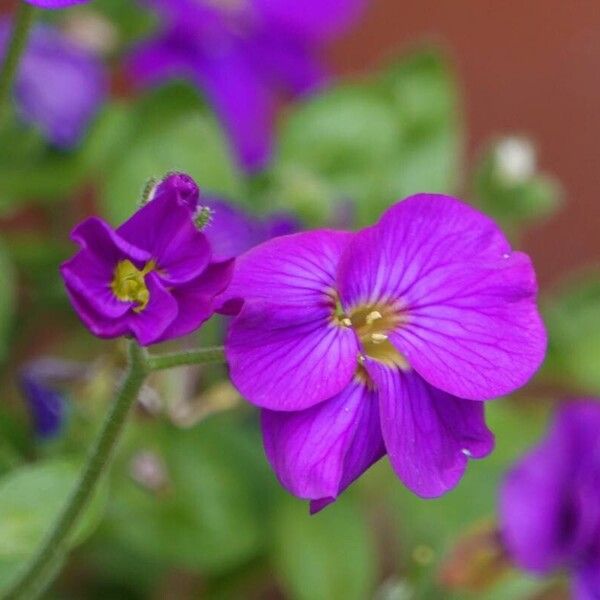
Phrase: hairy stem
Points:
(215, 354)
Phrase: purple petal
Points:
(310, 19)
(550, 505)
(472, 326)
(55, 3)
(586, 585)
(164, 228)
(429, 435)
(197, 299)
(60, 86)
(292, 270)
(316, 453)
(183, 187)
(244, 103)
(149, 324)
(289, 357)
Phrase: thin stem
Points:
(215, 354)
(16, 46)
(39, 572)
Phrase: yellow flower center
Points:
(129, 283)
(372, 324)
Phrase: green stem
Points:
(16, 46)
(188, 357)
(34, 578)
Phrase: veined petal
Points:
(198, 299)
(165, 229)
(470, 323)
(586, 585)
(429, 434)
(316, 453)
(289, 358)
(291, 270)
(148, 324)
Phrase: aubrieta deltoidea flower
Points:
(60, 86)
(153, 277)
(55, 3)
(242, 55)
(383, 341)
(550, 501)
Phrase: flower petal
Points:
(148, 324)
(292, 270)
(289, 358)
(586, 585)
(471, 326)
(429, 435)
(164, 228)
(549, 501)
(197, 299)
(316, 453)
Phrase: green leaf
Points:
(327, 556)
(573, 319)
(30, 500)
(208, 517)
(7, 301)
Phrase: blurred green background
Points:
(191, 509)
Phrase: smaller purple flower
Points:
(40, 381)
(232, 231)
(385, 341)
(154, 277)
(550, 501)
(59, 87)
(55, 3)
(242, 55)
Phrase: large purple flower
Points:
(59, 87)
(242, 54)
(550, 502)
(152, 278)
(383, 341)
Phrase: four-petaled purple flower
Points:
(59, 87)
(152, 278)
(55, 3)
(241, 54)
(550, 502)
(383, 341)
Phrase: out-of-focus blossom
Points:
(550, 501)
(55, 3)
(243, 54)
(152, 278)
(41, 382)
(232, 231)
(59, 87)
(383, 341)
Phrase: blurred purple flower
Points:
(59, 87)
(232, 231)
(40, 381)
(242, 54)
(550, 501)
(152, 278)
(55, 3)
(383, 341)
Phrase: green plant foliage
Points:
(30, 499)
(8, 301)
(326, 557)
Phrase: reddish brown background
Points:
(526, 66)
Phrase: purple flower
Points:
(152, 278)
(59, 87)
(383, 341)
(40, 381)
(232, 231)
(242, 54)
(55, 3)
(550, 501)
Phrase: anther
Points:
(346, 322)
(373, 316)
(378, 338)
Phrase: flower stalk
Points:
(16, 46)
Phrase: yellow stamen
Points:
(129, 283)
